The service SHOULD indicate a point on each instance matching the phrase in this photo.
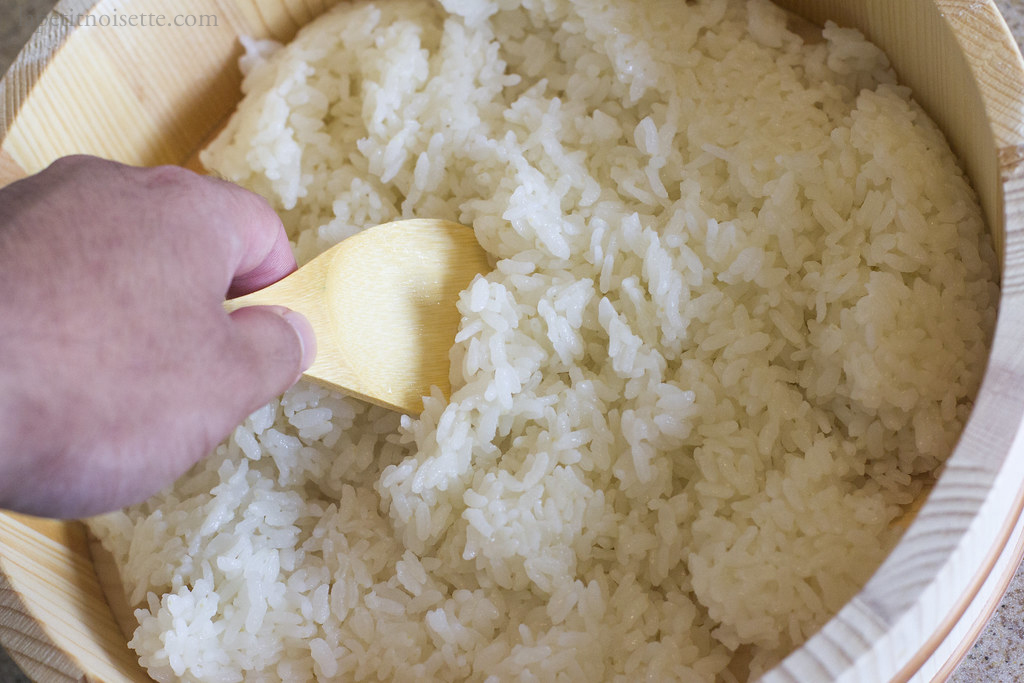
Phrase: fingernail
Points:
(304, 331)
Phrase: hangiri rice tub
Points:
(740, 308)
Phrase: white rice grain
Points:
(741, 305)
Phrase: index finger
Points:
(263, 253)
(257, 249)
(272, 263)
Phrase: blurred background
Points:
(18, 18)
(999, 653)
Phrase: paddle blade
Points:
(391, 292)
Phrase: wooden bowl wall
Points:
(151, 95)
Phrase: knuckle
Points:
(164, 176)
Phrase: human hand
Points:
(119, 368)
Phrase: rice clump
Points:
(741, 305)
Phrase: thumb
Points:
(275, 346)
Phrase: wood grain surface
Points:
(155, 96)
(390, 347)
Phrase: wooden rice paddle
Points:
(382, 305)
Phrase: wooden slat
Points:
(9, 169)
(54, 618)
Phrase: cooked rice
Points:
(742, 303)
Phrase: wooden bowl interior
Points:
(155, 95)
